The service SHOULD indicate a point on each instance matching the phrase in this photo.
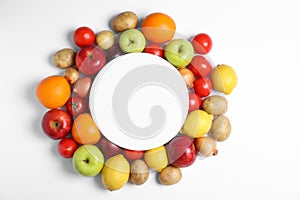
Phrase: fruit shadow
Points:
(70, 40)
(99, 183)
(38, 110)
(35, 125)
(71, 45)
(66, 163)
(157, 177)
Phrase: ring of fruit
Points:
(68, 117)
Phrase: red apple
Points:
(133, 154)
(90, 60)
(56, 123)
(194, 101)
(66, 147)
(181, 151)
(154, 49)
(108, 148)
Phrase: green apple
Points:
(88, 160)
(179, 52)
(132, 40)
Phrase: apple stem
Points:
(130, 42)
(86, 160)
(55, 125)
(90, 56)
(180, 48)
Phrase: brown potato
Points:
(221, 128)
(170, 175)
(139, 172)
(123, 21)
(64, 58)
(215, 104)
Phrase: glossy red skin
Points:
(202, 43)
(75, 106)
(90, 60)
(84, 36)
(154, 49)
(200, 66)
(194, 102)
(108, 148)
(202, 86)
(181, 151)
(133, 154)
(66, 147)
(56, 123)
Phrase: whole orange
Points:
(84, 130)
(53, 91)
(158, 27)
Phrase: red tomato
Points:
(133, 154)
(75, 106)
(84, 36)
(194, 102)
(66, 147)
(202, 43)
(202, 86)
(154, 49)
(200, 66)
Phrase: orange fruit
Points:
(84, 129)
(53, 91)
(158, 27)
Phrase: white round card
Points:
(139, 101)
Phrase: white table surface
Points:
(260, 39)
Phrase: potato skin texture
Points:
(221, 128)
(64, 58)
(215, 104)
(139, 172)
(124, 21)
(170, 175)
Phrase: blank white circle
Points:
(140, 103)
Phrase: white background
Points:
(260, 39)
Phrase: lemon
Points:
(224, 78)
(156, 158)
(197, 123)
(115, 173)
